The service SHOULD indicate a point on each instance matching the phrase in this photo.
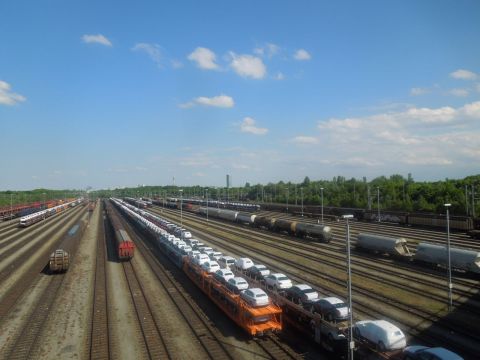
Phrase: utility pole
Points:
(473, 201)
(466, 200)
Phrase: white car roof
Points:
(303, 286)
(277, 275)
(257, 291)
(384, 324)
(334, 300)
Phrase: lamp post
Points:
(321, 191)
(449, 268)
(301, 191)
(351, 343)
(11, 206)
(181, 208)
(288, 194)
(44, 205)
(207, 202)
(378, 203)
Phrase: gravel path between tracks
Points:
(20, 314)
(180, 336)
(125, 333)
(66, 331)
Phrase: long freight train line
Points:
(413, 234)
(25, 343)
(99, 342)
(464, 286)
(213, 343)
(383, 272)
(436, 334)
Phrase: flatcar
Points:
(125, 247)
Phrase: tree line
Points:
(394, 193)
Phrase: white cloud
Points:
(459, 92)
(7, 97)
(305, 140)
(248, 126)
(419, 91)
(96, 39)
(176, 64)
(268, 50)
(152, 50)
(302, 54)
(444, 136)
(248, 66)
(222, 101)
(205, 58)
(463, 74)
(279, 76)
(477, 87)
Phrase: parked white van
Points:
(243, 263)
(226, 262)
(382, 333)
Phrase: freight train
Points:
(461, 223)
(295, 228)
(255, 321)
(124, 246)
(332, 336)
(43, 214)
(427, 254)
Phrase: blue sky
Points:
(116, 93)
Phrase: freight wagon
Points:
(125, 247)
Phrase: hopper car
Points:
(428, 254)
(124, 245)
(256, 321)
(294, 228)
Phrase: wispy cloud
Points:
(7, 97)
(204, 58)
(221, 101)
(302, 55)
(96, 39)
(459, 92)
(248, 126)
(248, 66)
(279, 76)
(463, 74)
(304, 140)
(152, 50)
(269, 50)
(416, 91)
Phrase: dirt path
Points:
(67, 329)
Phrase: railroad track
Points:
(206, 335)
(151, 333)
(389, 305)
(27, 238)
(275, 349)
(26, 342)
(99, 342)
(12, 295)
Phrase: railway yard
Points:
(133, 299)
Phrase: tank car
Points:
(229, 215)
(321, 232)
(283, 225)
(263, 221)
(246, 218)
(383, 244)
(461, 259)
